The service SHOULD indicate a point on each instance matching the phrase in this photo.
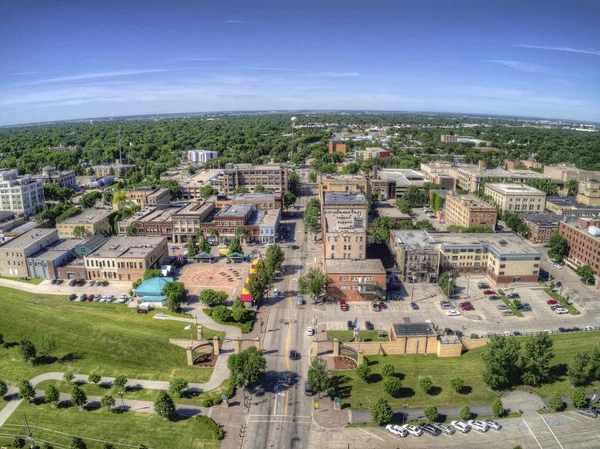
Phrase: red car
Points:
(466, 306)
(343, 305)
(551, 302)
(489, 292)
(382, 305)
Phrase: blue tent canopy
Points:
(154, 298)
(152, 287)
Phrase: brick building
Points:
(541, 226)
(344, 220)
(150, 222)
(358, 280)
(584, 243)
(469, 211)
(417, 257)
(248, 176)
(336, 143)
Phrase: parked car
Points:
(452, 313)
(82, 297)
(588, 412)
(483, 285)
(53, 281)
(561, 311)
(413, 430)
(494, 425)
(310, 331)
(446, 429)
(122, 299)
(446, 305)
(396, 430)
(343, 305)
(590, 328)
(376, 307)
(295, 247)
(308, 391)
(493, 298)
(461, 426)
(72, 296)
(478, 425)
(91, 283)
(489, 292)
(513, 296)
(429, 429)
(369, 326)
(382, 305)
(551, 302)
(72, 283)
(559, 284)
(414, 306)
(97, 298)
(502, 307)
(349, 325)
(59, 281)
(90, 297)
(516, 333)
(507, 333)
(142, 311)
(508, 313)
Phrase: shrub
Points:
(556, 402)
(465, 413)
(387, 370)
(426, 384)
(363, 370)
(381, 412)
(497, 408)
(208, 401)
(229, 390)
(247, 327)
(457, 384)
(431, 413)
(578, 398)
(392, 386)
(221, 314)
(212, 426)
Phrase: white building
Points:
(20, 194)
(201, 156)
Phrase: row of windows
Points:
(346, 238)
(347, 256)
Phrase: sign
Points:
(316, 405)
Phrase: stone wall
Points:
(474, 343)
(400, 346)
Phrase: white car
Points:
(548, 331)
(560, 310)
(507, 333)
(310, 331)
(461, 426)
(557, 265)
(480, 426)
(413, 430)
(396, 430)
(453, 313)
(122, 299)
(590, 328)
(494, 425)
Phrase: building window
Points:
(344, 278)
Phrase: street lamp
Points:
(450, 279)
(121, 393)
(404, 406)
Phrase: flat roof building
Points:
(568, 205)
(336, 143)
(542, 226)
(247, 176)
(395, 181)
(191, 188)
(20, 194)
(566, 172)
(344, 183)
(189, 218)
(150, 222)
(201, 156)
(14, 253)
(584, 243)
(344, 220)
(518, 198)
(356, 280)
(417, 257)
(89, 222)
(472, 177)
(149, 196)
(50, 175)
(589, 192)
(469, 211)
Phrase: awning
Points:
(154, 298)
(245, 291)
(246, 297)
(203, 255)
(235, 255)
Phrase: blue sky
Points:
(73, 59)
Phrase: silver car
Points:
(413, 430)
(480, 426)
(445, 429)
(494, 425)
(461, 426)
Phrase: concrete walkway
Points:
(45, 287)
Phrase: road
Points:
(280, 414)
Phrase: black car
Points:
(429, 429)
(369, 326)
(294, 355)
(59, 281)
(562, 330)
(83, 297)
(308, 391)
(72, 296)
(295, 247)
(349, 325)
(576, 329)
(516, 333)
(53, 281)
(558, 284)
(72, 283)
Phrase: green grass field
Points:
(364, 335)
(98, 426)
(34, 281)
(108, 339)
(410, 369)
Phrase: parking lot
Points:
(484, 319)
(567, 430)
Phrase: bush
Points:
(556, 402)
(221, 314)
(229, 389)
(497, 408)
(239, 314)
(465, 413)
(212, 426)
(213, 298)
(426, 384)
(208, 401)
(392, 386)
(578, 398)
(431, 413)
(387, 370)
(363, 370)
(247, 327)
(381, 412)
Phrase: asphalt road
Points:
(280, 412)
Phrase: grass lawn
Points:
(410, 369)
(108, 339)
(128, 429)
(562, 302)
(34, 281)
(364, 335)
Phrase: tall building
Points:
(584, 243)
(390, 183)
(248, 176)
(50, 175)
(117, 169)
(516, 198)
(589, 192)
(417, 256)
(472, 177)
(469, 211)
(344, 183)
(201, 156)
(20, 194)
(344, 217)
(336, 143)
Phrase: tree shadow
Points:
(434, 391)
(70, 357)
(277, 381)
(406, 392)
(558, 371)
(465, 390)
(371, 362)
(11, 344)
(373, 378)
(400, 376)
(441, 418)
(341, 386)
(45, 360)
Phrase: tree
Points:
(392, 386)
(164, 405)
(387, 370)
(497, 408)
(47, 445)
(535, 362)
(426, 384)
(416, 197)
(94, 378)
(120, 381)
(594, 365)
(3, 389)
(120, 197)
(77, 443)
(48, 345)
(108, 446)
(558, 247)
(572, 187)
(176, 295)
(501, 362)
(178, 386)
(556, 402)
(235, 246)
(199, 233)
(212, 297)
(78, 397)
(586, 274)
(363, 370)
(431, 413)
(26, 391)
(27, 350)
(465, 413)
(79, 231)
(108, 401)
(207, 191)
(447, 286)
(239, 314)
(318, 375)
(204, 246)
(241, 232)
(107, 197)
(381, 227)
(259, 188)
(312, 216)
(457, 384)
(88, 200)
(247, 367)
(312, 176)
(68, 377)
(192, 248)
(577, 371)
(381, 412)
(578, 398)
(221, 313)
(151, 273)
(51, 396)
(403, 205)
(313, 283)
(274, 257)
(289, 199)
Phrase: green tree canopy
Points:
(381, 412)
(313, 283)
(558, 247)
(247, 367)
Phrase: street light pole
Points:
(405, 406)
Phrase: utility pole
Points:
(29, 436)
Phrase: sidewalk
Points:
(328, 418)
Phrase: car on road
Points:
(588, 412)
(461, 426)
(72, 296)
(494, 425)
(413, 430)
(294, 355)
(561, 311)
(349, 325)
(489, 292)
(446, 429)
(343, 305)
(308, 391)
(310, 331)
(414, 306)
(503, 307)
(369, 326)
(452, 313)
(295, 247)
(551, 302)
(396, 430)
(478, 425)
(429, 429)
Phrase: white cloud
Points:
(586, 51)
(522, 66)
(235, 21)
(340, 74)
(195, 59)
(276, 69)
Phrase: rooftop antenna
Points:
(29, 436)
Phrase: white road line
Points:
(279, 421)
(369, 433)
(561, 446)
(565, 416)
(257, 416)
(532, 434)
(507, 428)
